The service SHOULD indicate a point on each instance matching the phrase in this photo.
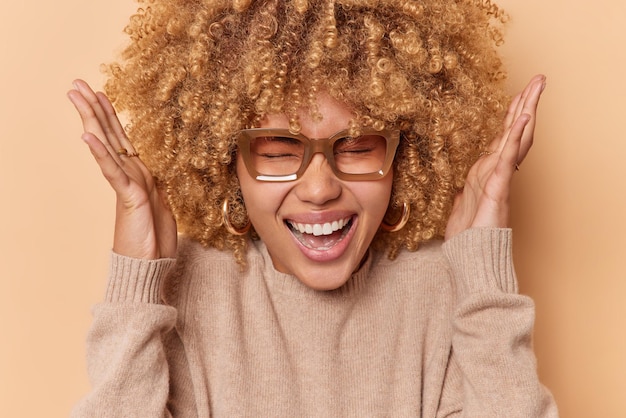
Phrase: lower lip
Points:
(332, 253)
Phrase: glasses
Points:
(279, 155)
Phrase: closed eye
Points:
(274, 147)
(353, 150)
(359, 145)
(276, 155)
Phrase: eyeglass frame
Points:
(313, 146)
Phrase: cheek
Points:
(379, 195)
(262, 199)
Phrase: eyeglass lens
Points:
(281, 155)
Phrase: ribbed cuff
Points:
(136, 280)
(482, 260)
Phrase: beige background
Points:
(569, 203)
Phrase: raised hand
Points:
(144, 225)
(484, 200)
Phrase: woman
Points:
(305, 150)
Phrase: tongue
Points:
(322, 242)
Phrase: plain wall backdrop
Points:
(56, 212)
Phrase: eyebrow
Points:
(280, 138)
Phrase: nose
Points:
(318, 184)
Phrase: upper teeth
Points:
(320, 229)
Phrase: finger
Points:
(95, 118)
(524, 102)
(509, 119)
(91, 99)
(108, 164)
(530, 109)
(509, 157)
(511, 111)
(527, 93)
(114, 122)
(90, 122)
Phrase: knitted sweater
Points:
(434, 333)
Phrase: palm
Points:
(484, 200)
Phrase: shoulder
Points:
(425, 267)
(428, 254)
(198, 267)
(419, 283)
(192, 254)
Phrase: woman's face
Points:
(347, 213)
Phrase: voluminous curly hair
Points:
(197, 71)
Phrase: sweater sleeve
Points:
(492, 370)
(126, 359)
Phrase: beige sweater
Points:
(435, 333)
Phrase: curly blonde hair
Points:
(197, 71)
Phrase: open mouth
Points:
(320, 237)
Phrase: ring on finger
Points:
(122, 151)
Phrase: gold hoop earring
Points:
(404, 218)
(229, 226)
